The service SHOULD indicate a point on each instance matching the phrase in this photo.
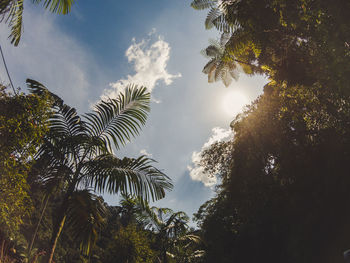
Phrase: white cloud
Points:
(144, 152)
(197, 172)
(150, 62)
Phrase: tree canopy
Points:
(283, 191)
(22, 128)
(303, 42)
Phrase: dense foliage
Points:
(303, 42)
(22, 127)
(61, 163)
(76, 162)
(285, 182)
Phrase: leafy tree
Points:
(168, 227)
(22, 127)
(12, 11)
(303, 42)
(283, 192)
(219, 68)
(77, 158)
(283, 195)
(187, 248)
(129, 244)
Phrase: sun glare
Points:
(233, 102)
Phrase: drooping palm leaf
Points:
(213, 14)
(13, 11)
(213, 51)
(65, 121)
(16, 20)
(5, 7)
(129, 176)
(153, 218)
(176, 224)
(57, 6)
(118, 120)
(37, 88)
(219, 67)
(203, 4)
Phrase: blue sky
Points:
(102, 45)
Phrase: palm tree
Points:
(217, 15)
(184, 249)
(169, 227)
(219, 67)
(77, 158)
(12, 12)
(236, 49)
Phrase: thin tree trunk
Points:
(54, 239)
(165, 260)
(38, 224)
(2, 249)
(57, 228)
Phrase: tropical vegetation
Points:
(12, 12)
(283, 188)
(284, 180)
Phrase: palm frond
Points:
(203, 4)
(221, 23)
(85, 216)
(209, 66)
(50, 173)
(152, 217)
(191, 237)
(213, 51)
(179, 216)
(118, 120)
(37, 88)
(213, 14)
(14, 9)
(16, 21)
(176, 224)
(57, 6)
(129, 176)
(65, 122)
(5, 7)
(224, 38)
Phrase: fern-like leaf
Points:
(57, 6)
(118, 120)
(129, 176)
(203, 4)
(16, 20)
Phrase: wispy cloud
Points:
(150, 62)
(197, 172)
(50, 56)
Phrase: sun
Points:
(233, 102)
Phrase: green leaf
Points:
(16, 20)
(118, 120)
(128, 176)
(57, 6)
(203, 4)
